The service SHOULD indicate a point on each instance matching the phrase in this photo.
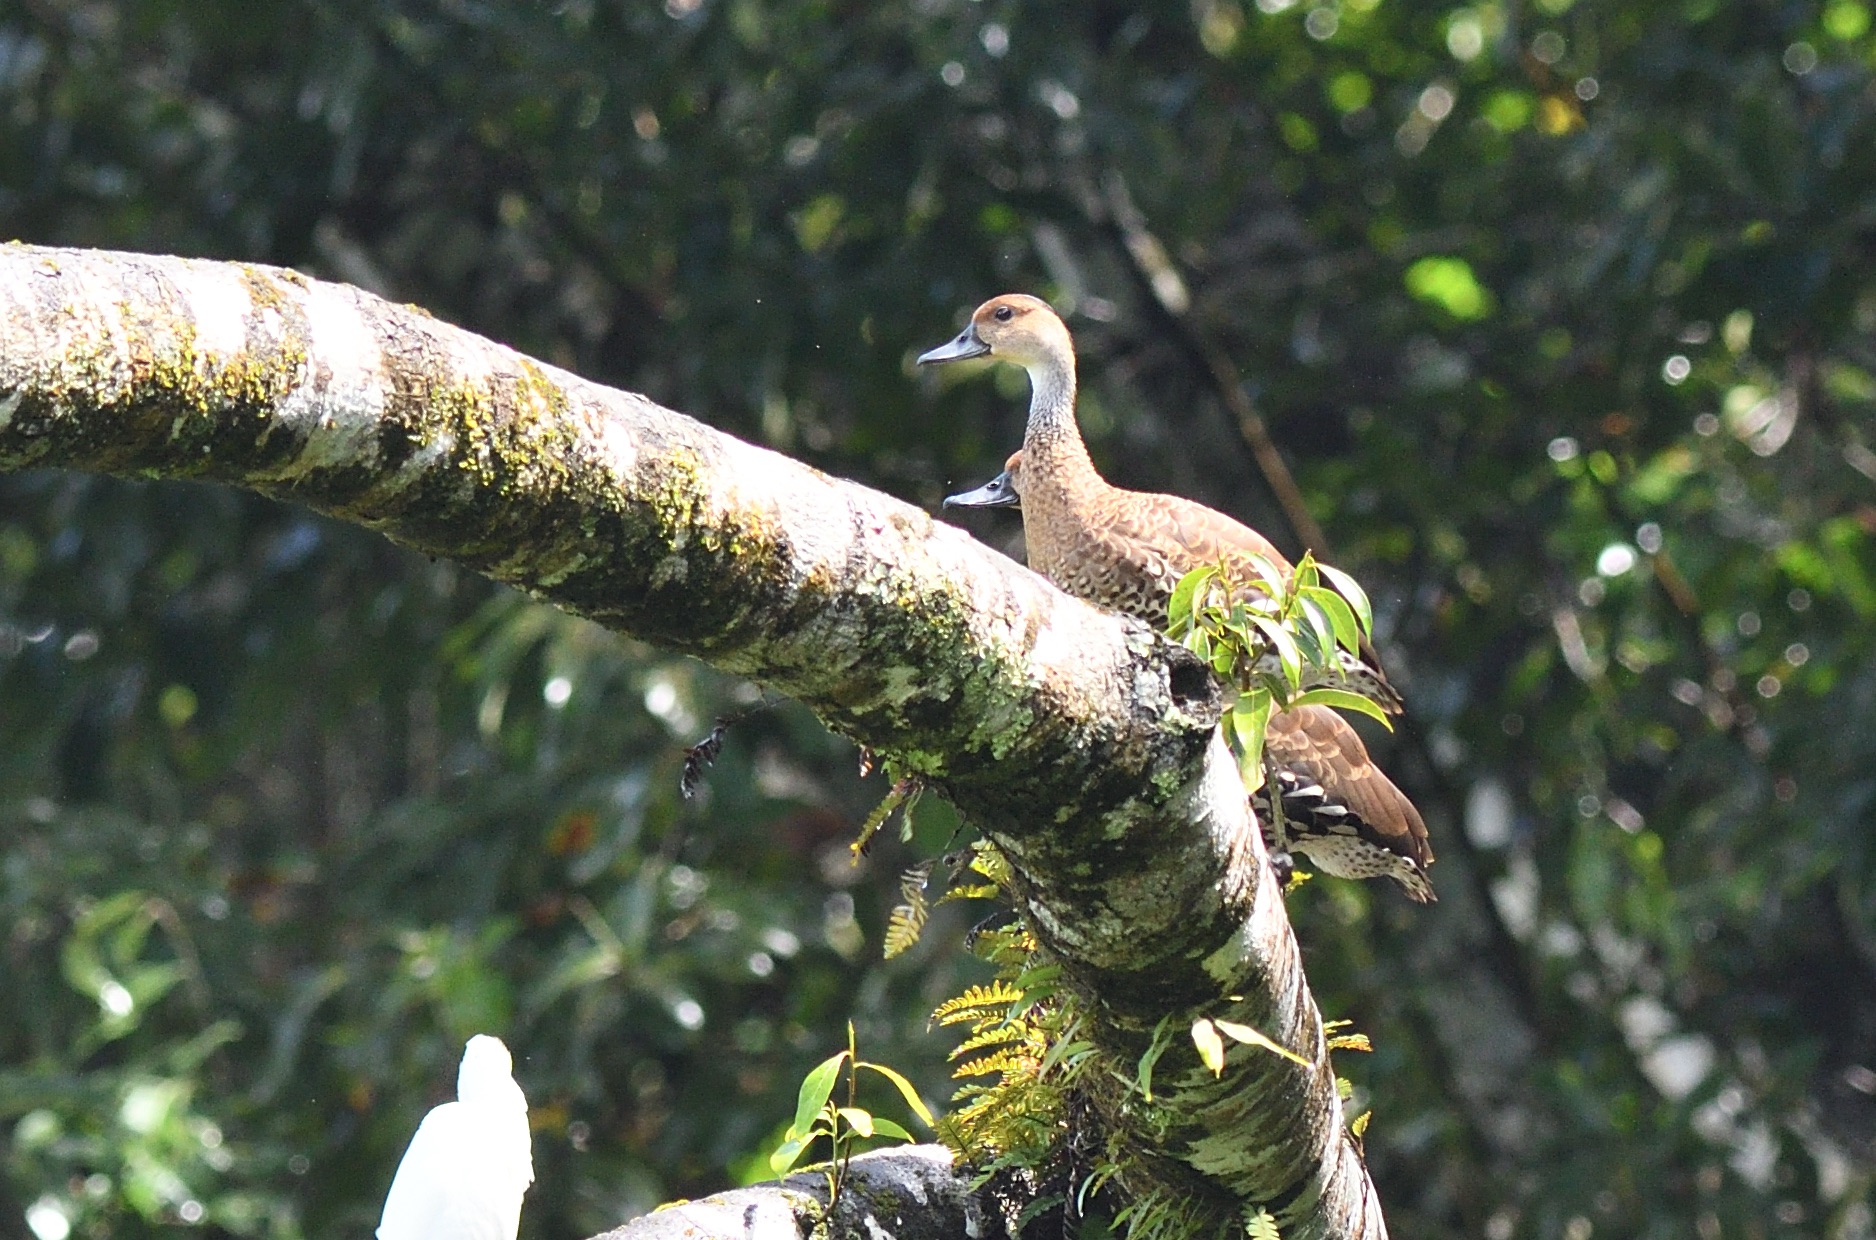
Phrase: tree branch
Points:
(876, 1199)
(1080, 742)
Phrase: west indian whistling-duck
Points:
(1127, 550)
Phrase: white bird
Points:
(472, 1159)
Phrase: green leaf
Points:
(1448, 282)
(1162, 1038)
(1251, 1037)
(1179, 606)
(1063, 1050)
(1039, 983)
(1211, 1046)
(1342, 699)
(861, 1121)
(787, 1154)
(1035, 1210)
(816, 1088)
(883, 1127)
(905, 1091)
(1238, 628)
(1316, 634)
(1351, 590)
(886, 1128)
(1285, 646)
(1270, 579)
(1249, 720)
(1341, 615)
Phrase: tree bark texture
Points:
(909, 1193)
(1081, 743)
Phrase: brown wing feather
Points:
(1315, 741)
(1206, 535)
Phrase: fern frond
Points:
(1258, 1225)
(976, 1003)
(895, 797)
(903, 928)
(1010, 1059)
(996, 1035)
(976, 891)
(1008, 947)
(990, 863)
(908, 918)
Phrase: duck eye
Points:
(1003, 314)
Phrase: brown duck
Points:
(1127, 550)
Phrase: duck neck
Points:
(1052, 446)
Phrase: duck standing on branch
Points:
(1127, 550)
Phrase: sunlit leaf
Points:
(905, 1090)
(1341, 616)
(1285, 646)
(1251, 1037)
(1211, 1047)
(787, 1154)
(883, 1127)
(1342, 699)
(1351, 590)
(1179, 606)
(1248, 719)
(816, 1088)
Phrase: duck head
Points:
(1003, 491)
(1014, 327)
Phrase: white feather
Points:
(472, 1159)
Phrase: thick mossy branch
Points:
(1080, 742)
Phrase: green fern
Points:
(1009, 1061)
(1338, 1041)
(1029, 1086)
(978, 1004)
(1258, 1225)
(1161, 1213)
(904, 791)
(908, 917)
(996, 1035)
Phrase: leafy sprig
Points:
(1280, 640)
(818, 1116)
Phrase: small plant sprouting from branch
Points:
(817, 1115)
(1023, 1050)
(905, 791)
(1209, 1034)
(1280, 640)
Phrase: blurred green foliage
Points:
(1562, 312)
